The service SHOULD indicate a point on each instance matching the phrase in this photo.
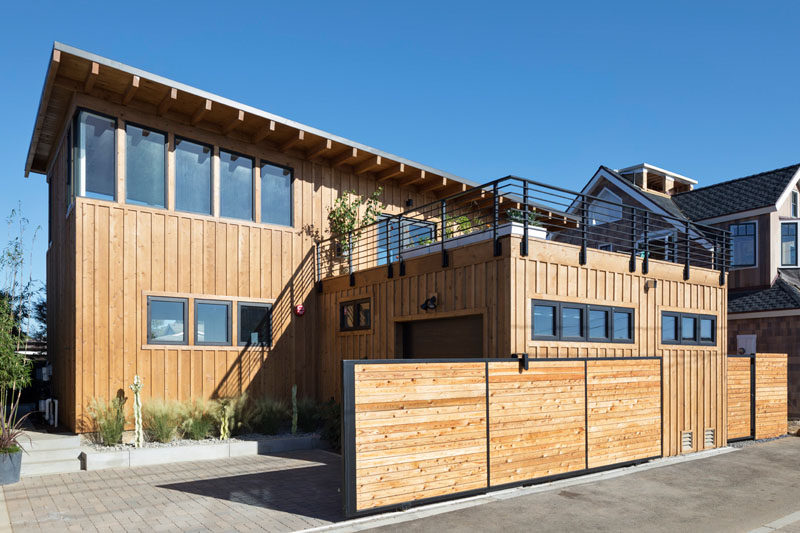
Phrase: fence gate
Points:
(757, 396)
(741, 397)
(419, 431)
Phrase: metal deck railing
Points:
(531, 210)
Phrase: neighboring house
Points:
(761, 212)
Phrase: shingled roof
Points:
(734, 196)
(782, 295)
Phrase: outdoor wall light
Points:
(650, 284)
(429, 304)
(410, 202)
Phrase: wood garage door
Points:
(442, 338)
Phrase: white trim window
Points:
(744, 245)
(794, 204)
(602, 212)
(789, 244)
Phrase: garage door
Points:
(443, 337)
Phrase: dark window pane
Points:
(789, 244)
(598, 324)
(211, 323)
(571, 322)
(669, 328)
(544, 320)
(623, 329)
(688, 326)
(706, 329)
(235, 186)
(192, 177)
(364, 315)
(166, 321)
(276, 195)
(144, 166)
(96, 156)
(743, 244)
(348, 316)
(254, 324)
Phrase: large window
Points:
(95, 155)
(355, 315)
(789, 244)
(235, 186)
(145, 166)
(276, 194)
(212, 322)
(192, 177)
(402, 233)
(581, 322)
(688, 328)
(166, 320)
(255, 324)
(743, 244)
(602, 212)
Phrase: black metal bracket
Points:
(352, 279)
(319, 286)
(390, 270)
(524, 360)
(402, 268)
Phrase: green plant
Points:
(332, 424)
(294, 409)
(343, 217)
(309, 415)
(518, 215)
(197, 419)
(160, 420)
(269, 415)
(138, 432)
(108, 419)
(233, 415)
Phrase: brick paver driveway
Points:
(283, 492)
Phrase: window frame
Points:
(632, 317)
(794, 199)
(677, 317)
(700, 340)
(608, 311)
(205, 301)
(356, 313)
(795, 264)
(166, 166)
(78, 179)
(185, 302)
(254, 159)
(587, 308)
(556, 320)
(697, 341)
(176, 139)
(260, 163)
(582, 308)
(753, 223)
(246, 342)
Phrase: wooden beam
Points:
(131, 91)
(435, 183)
(293, 140)
(264, 132)
(370, 164)
(344, 157)
(201, 112)
(391, 172)
(321, 148)
(88, 83)
(235, 123)
(168, 100)
(415, 177)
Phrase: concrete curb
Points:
(97, 460)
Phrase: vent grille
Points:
(708, 441)
(687, 441)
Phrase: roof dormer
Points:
(654, 179)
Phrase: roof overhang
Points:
(71, 71)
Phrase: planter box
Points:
(97, 460)
(509, 228)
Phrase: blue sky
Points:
(710, 90)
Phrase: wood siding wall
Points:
(771, 419)
(419, 430)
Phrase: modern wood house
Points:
(186, 230)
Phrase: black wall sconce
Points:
(429, 304)
(410, 202)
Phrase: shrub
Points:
(332, 424)
(309, 415)
(197, 419)
(160, 420)
(233, 415)
(108, 419)
(269, 415)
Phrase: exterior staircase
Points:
(50, 453)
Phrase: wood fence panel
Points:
(537, 423)
(420, 431)
(624, 410)
(771, 395)
(739, 400)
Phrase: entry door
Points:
(457, 337)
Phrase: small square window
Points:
(571, 323)
(212, 322)
(598, 324)
(166, 320)
(623, 325)
(669, 327)
(544, 321)
(688, 328)
(255, 324)
(354, 316)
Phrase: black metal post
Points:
(523, 246)
(443, 214)
(319, 268)
(646, 259)
(350, 258)
(687, 255)
(723, 260)
(495, 219)
(582, 255)
(632, 265)
(389, 267)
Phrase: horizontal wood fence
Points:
(757, 396)
(422, 431)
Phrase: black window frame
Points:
(796, 242)
(698, 340)
(166, 166)
(356, 314)
(185, 302)
(586, 308)
(205, 301)
(77, 177)
(755, 244)
(694, 338)
(261, 162)
(246, 342)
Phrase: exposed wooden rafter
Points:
(370, 164)
(345, 157)
(293, 140)
(325, 146)
(131, 91)
(168, 100)
(415, 177)
(88, 83)
(435, 183)
(201, 112)
(235, 123)
(392, 172)
(263, 133)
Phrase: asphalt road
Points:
(743, 490)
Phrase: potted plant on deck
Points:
(15, 374)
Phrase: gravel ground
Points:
(87, 441)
